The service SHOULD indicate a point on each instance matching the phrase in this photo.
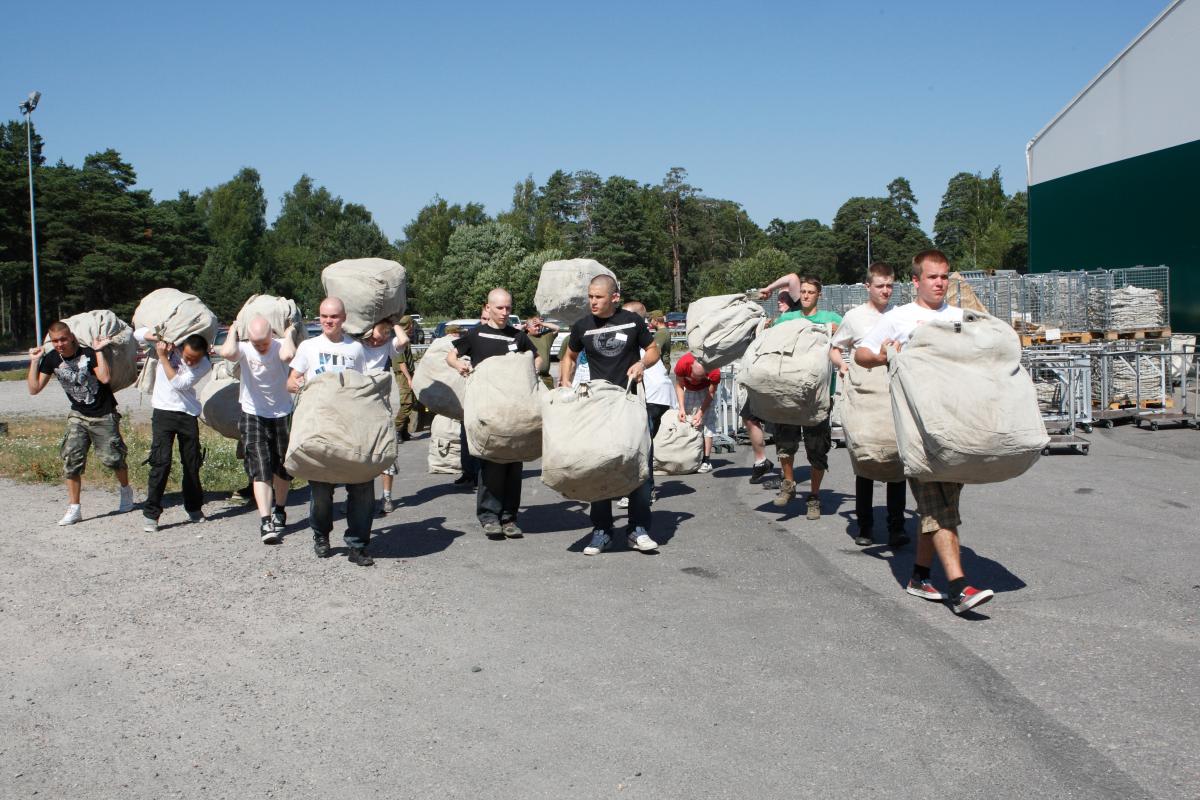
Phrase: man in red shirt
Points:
(696, 389)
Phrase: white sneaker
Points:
(705, 466)
(72, 516)
(643, 542)
(126, 503)
(623, 502)
(151, 526)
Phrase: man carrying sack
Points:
(498, 494)
(612, 340)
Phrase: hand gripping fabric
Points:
(563, 287)
(172, 316)
(678, 447)
(120, 352)
(786, 373)
(868, 424)
(438, 386)
(372, 289)
(502, 409)
(279, 312)
(720, 328)
(342, 430)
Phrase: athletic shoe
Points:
(463, 480)
(404, 434)
(924, 589)
(787, 491)
(126, 503)
(493, 530)
(864, 539)
(72, 516)
(760, 471)
(814, 507)
(600, 542)
(387, 506)
(897, 539)
(654, 495)
(511, 530)
(641, 541)
(279, 520)
(151, 526)
(267, 532)
(970, 598)
(321, 545)
(771, 484)
(623, 502)
(358, 555)
(196, 516)
(705, 466)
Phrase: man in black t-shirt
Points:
(83, 373)
(619, 347)
(498, 495)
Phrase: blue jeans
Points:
(360, 511)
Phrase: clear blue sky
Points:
(787, 108)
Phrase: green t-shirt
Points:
(542, 343)
(662, 338)
(820, 317)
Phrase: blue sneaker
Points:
(600, 542)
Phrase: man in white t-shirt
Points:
(937, 503)
(334, 351)
(263, 424)
(855, 326)
(382, 343)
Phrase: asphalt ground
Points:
(756, 654)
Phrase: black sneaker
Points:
(279, 520)
(760, 471)
(266, 530)
(358, 555)
(864, 539)
(321, 545)
(404, 434)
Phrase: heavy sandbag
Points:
(172, 316)
(437, 385)
(678, 447)
(445, 448)
(867, 422)
(563, 286)
(220, 401)
(120, 352)
(965, 409)
(786, 373)
(279, 312)
(595, 441)
(502, 409)
(342, 431)
(720, 328)
(372, 289)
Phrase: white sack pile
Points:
(786, 373)
(720, 328)
(220, 400)
(445, 454)
(121, 352)
(1126, 308)
(678, 447)
(502, 409)
(372, 289)
(563, 285)
(342, 430)
(438, 386)
(1125, 373)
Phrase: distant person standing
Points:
(662, 337)
(402, 369)
(383, 343)
(83, 373)
(542, 334)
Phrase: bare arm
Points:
(865, 357)
(229, 350)
(295, 381)
(103, 373)
(461, 367)
(680, 403)
(835, 355)
(789, 282)
(35, 380)
(401, 341)
(163, 351)
(648, 358)
(287, 346)
(566, 367)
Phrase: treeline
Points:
(104, 244)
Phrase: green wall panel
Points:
(1141, 211)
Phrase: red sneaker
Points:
(970, 598)
(924, 589)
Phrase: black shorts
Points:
(265, 442)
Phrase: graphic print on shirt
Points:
(330, 362)
(610, 341)
(77, 380)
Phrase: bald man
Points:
(263, 426)
(334, 351)
(498, 494)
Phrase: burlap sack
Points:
(502, 409)
(342, 431)
(965, 409)
(279, 312)
(120, 352)
(595, 441)
(563, 285)
(719, 329)
(867, 422)
(445, 449)
(220, 401)
(437, 385)
(786, 373)
(678, 447)
(172, 316)
(372, 289)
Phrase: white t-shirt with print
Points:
(264, 390)
(899, 323)
(319, 355)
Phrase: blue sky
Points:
(787, 108)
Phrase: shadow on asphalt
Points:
(831, 503)
(555, 517)
(412, 539)
(663, 525)
(981, 571)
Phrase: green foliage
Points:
(895, 235)
(978, 226)
(427, 239)
(478, 259)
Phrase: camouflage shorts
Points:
(103, 433)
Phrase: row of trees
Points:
(104, 243)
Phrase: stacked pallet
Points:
(1126, 308)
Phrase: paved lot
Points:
(756, 655)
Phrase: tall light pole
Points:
(27, 109)
(868, 221)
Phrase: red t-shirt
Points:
(683, 371)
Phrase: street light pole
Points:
(27, 109)
(867, 222)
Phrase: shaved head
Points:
(636, 306)
(604, 282)
(500, 297)
(259, 329)
(333, 306)
(333, 314)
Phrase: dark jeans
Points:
(499, 494)
(897, 493)
(470, 464)
(360, 511)
(639, 502)
(165, 428)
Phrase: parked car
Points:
(676, 319)
(465, 324)
(218, 340)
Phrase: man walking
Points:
(175, 415)
(83, 373)
(855, 326)
(937, 503)
(612, 339)
(498, 494)
(263, 424)
(334, 351)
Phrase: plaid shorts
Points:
(82, 433)
(937, 504)
(265, 443)
(693, 402)
(818, 441)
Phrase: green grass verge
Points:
(13, 374)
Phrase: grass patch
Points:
(14, 374)
(30, 453)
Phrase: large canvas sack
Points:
(445, 449)
(172, 316)
(120, 352)
(595, 441)
(342, 431)
(220, 401)
(867, 422)
(279, 312)
(678, 447)
(965, 409)
(720, 328)
(786, 373)
(502, 409)
(372, 289)
(438, 386)
(563, 286)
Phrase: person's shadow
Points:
(554, 517)
(981, 572)
(412, 539)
